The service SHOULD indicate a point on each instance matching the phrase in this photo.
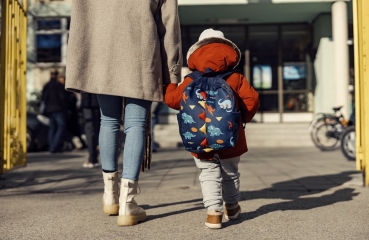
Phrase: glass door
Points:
(263, 64)
(275, 61)
(297, 80)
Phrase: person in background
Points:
(156, 108)
(73, 133)
(55, 99)
(91, 116)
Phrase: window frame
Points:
(63, 31)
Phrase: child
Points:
(219, 175)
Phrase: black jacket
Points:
(55, 97)
(89, 100)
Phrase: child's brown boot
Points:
(214, 219)
(232, 211)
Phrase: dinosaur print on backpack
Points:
(208, 118)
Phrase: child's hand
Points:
(173, 93)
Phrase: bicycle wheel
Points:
(312, 130)
(325, 135)
(348, 143)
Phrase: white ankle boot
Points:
(111, 194)
(129, 212)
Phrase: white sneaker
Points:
(91, 165)
(77, 143)
(88, 165)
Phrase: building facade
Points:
(295, 53)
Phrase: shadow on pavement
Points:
(56, 181)
(197, 201)
(340, 195)
(47, 157)
(66, 169)
(296, 188)
(63, 173)
(283, 190)
(51, 173)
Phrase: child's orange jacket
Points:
(219, 57)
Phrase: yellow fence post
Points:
(13, 126)
(361, 47)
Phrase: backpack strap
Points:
(209, 72)
(194, 75)
(225, 74)
(221, 75)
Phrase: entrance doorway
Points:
(276, 61)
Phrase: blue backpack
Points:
(208, 118)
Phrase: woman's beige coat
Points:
(125, 48)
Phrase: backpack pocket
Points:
(190, 137)
(217, 134)
(223, 133)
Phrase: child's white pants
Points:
(219, 181)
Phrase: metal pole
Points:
(13, 59)
(280, 75)
(361, 48)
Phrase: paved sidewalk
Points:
(287, 193)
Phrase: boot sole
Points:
(130, 220)
(111, 209)
(213, 225)
(232, 217)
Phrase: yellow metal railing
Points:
(13, 127)
(361, 37)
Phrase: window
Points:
(51, 39)
(48, 24)
(295, 45)
(294, 75)
(263, 39)
(268, 102)
(48, 48)
(262, 77)
(296, 102)
(264, 71)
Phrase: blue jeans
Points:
(220, 181)
(135, 118)
(58, 125)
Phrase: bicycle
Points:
(348, 140)
(348, 143)
(326, 129)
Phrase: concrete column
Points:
(341, 55)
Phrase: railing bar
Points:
(13, 83)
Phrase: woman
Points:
(129, 49)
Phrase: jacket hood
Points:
(214, 55)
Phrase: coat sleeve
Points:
(249, 99)
(169, 31)
(173, 93)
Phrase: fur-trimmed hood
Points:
(217, 56)
(210, 36)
